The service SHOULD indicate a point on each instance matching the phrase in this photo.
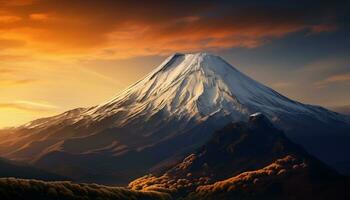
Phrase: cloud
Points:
(339, 78)
(319, 28)
(9, 18)
(134, 28)
(9, 77)
(5, 71)
(17, 2)
(39, 16)
(10, 43)
(6, 83)
(28, 106)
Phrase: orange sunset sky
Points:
(61, 54)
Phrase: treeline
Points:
(18, 189)
(287, 178)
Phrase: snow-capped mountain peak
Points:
(196, 86)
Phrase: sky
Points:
(56, 55)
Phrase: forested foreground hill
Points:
(287, 178)
(248, 161)
(22, 189)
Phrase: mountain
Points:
(164, 116)
(248, 160)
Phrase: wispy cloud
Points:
(102, 76)
(6, 83)
(339, 78)
(5, 71)
(28, 106)
(17, 2)
(9, 18)
(39, 16)
(12, 77)
(319, 28)
(11, 43)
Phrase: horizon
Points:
(79, 54)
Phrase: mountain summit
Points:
(197, 86)
(171, 111)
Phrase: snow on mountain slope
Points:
(197, 85)
(179, 104)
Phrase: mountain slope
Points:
(179, 104)
(19, 170)
(286, 178)
(238, 147)
(248, 160)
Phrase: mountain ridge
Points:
(247, 160)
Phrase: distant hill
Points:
(19, 170)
